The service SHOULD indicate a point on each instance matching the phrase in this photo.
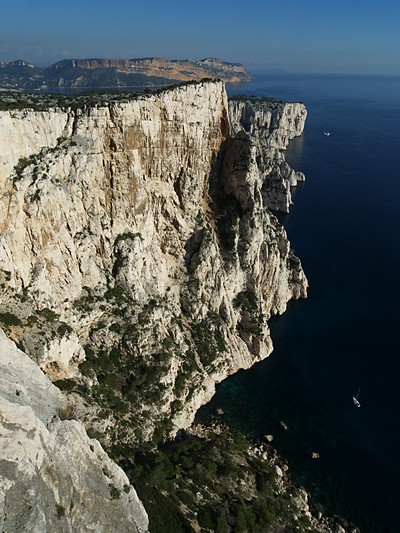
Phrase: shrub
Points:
(22, 164)
(60, 510)
(64, 328)
(48, 314)
(67, 412)
(208, 338)
(9, 319)
(114, 492)
(65, 384)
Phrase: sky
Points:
(326, 36)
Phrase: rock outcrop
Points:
(53, 477)
(139, 260)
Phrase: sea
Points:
(343, 340)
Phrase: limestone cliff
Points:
(139, 261)
(183, 70)
(270, 125)
(53, 477)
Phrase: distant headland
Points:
(115, 73)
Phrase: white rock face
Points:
(271, 126)
(53, 477)
(163, 203)
(132, 167)
(24, 133)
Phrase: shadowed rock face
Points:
(53, 477)
(136, 241)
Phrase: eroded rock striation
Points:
(53, 477)
(138, 258)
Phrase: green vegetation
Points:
(64, 329)
(67, 412)
(130, 375)
(215, 478)
(228, 213)
(9, 319)
(116, 292)
(255, 99)
(114, 492)
(11, 100)
(65, 384)
(127, 236)
(208, 338)
(22, 164)
(7, 275)
(48, 314)
(125, 379)
(227, 227)
(249, 305)
(60, 510)
(36, 160)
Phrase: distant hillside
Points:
(115, 73)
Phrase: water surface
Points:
(345, 227)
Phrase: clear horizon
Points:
(320, 37)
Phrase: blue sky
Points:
(339, 36)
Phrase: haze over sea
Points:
(345, 227)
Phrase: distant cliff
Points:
(115, 73)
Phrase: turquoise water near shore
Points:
(345, 227)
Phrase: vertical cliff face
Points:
(137, 252)
(103, 172)
(269, 125)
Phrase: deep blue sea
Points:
(345, 227)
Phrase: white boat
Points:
(327, 133)
(355, 399)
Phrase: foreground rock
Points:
(52, 476)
